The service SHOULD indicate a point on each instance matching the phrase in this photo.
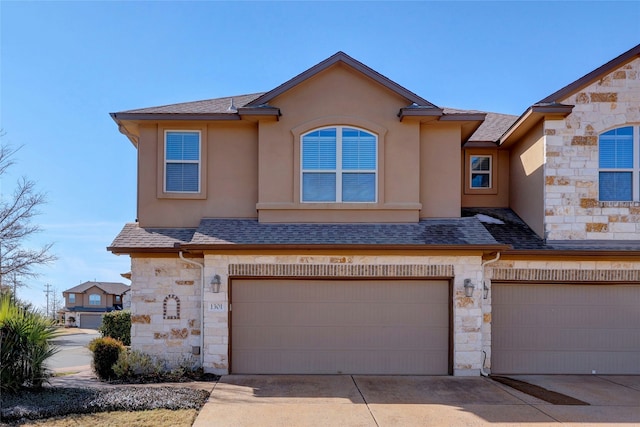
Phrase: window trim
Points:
(473, 172)
(95, 303)
(634, 170)
(492, 154)
(339, 171)
(166, 161)
(161, 162)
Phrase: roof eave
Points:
(532, 116)
(587, 79)
(425, 114)
(175, 116)
(516, 254)
(340, 57)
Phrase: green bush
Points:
(106, 351)
(24, 346)
(117, 324)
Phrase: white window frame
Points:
(488, 172)
(198, 162)
(338, 170)
(72, 298)
(95, 303)
(635, 170)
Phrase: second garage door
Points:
(565, 329)
(90, 321)
(340, 327)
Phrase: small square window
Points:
(480, 172)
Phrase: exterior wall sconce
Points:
(468, 288)
(215, 283)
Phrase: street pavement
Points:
(73, 349)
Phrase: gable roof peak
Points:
(341, 57)
(571, 88)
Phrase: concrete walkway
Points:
(249, 400)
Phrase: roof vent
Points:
(232, 108)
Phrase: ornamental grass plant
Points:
(25, 345)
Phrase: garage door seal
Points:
(541, 393)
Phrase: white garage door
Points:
(565, 329)
(340, 327)
(90, 321)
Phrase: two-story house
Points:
(340, 223)
(86, 303)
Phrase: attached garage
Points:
(90, 320)
(340, 327)
(565, 329)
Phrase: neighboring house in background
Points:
(340, 223)
(87, 302)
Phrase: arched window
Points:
(339, 164)
(619, 165)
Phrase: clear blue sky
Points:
(66, 65)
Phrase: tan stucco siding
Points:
(526, 192)
(499, 196)
(339, 96)
(440, 173)
(229, 175)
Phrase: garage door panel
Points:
(331, 362)
(565, 329)
(355, 326)
(340, 338)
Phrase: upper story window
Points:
(182, 162)
(94, 299)
(72, 298)
(117, 298)
(619, 158)
(339, 164)
(480, 167)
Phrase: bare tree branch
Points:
(16, 214)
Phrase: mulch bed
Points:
(541, 393)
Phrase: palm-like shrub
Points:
(24, 346)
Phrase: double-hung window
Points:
(480, 172)
(72, 298)
(182, 162)
(619, 163)
(339, 164)
(94, 299)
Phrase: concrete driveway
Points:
(344, 400)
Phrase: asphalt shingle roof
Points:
(214, 232)
(207, 106)
(516, 232)
(114, 288)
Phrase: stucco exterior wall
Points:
(526, 188)
(229, 175)
(153, 279)
(573, 211)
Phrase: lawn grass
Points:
(153, 418)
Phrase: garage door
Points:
(340, 327)
(565, 329)
(90, 321)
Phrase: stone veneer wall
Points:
(165, 307)
(606, 272)
(572, 209)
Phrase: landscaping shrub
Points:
(117, 324)
(106, 351)
(24, 346)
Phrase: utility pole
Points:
(48, 291)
